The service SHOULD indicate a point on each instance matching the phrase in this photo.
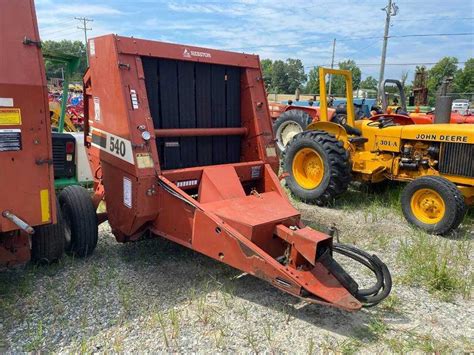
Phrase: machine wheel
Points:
(434, 204)
(318, 167)
(80, 221)
(288, 125)
(47, 244)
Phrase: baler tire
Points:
(298, 117)
(337, 167)
(47, 244)
(454, 205)
(80, 219)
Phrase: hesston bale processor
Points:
(180, 144)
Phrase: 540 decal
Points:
(115, 145)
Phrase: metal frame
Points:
(323, 95)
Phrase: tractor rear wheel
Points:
(47, 244)
(80, 221)
(318, 167)
(288, 125)
(433, 204)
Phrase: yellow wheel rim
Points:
(428, 206)
(308, 168)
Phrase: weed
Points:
(204, 310)
(219, 338)
(391, 303)
(175, 319)
(160, 319)
(118, 344)
(412, 342)
(374, 331)
(83, 346)
(125, 296)
(268, 332)
(72, 284)
(311, 346)
(252, 341)
(37, 339)
(245, 312)
(349, 346)
(440, 265)
(94, 275)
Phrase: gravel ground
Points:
(156, 295)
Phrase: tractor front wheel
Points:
(433, 204)
(80, 221)
(318, 167)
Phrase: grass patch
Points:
(441, 265)
(374, 205)
(391, 304)
(416, 342)
(332, 346)
(372, 332)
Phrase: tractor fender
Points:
(333, 128)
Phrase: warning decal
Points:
(10, 116)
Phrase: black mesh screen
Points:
(185, 94)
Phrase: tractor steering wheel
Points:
(401, 120)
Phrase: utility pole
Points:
(391, 10)
(332, 63)
(84, 21)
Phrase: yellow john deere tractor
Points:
(436, 160)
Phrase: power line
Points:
(62, 35)
(387, 64)
(434, 19)
(85, 29)
(344, 39)
(434, 35)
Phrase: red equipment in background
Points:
(180, 143)
(26, 174)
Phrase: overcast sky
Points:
(280, 29)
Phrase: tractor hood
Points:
(452, 133)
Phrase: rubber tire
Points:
(47, 244)
(337, 167)
(453, 199)
(80, 216)
(302, 118)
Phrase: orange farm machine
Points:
(180, 144)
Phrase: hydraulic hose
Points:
(369, 296)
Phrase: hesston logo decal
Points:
(442, 138)
(188, 54)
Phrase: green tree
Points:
(446, 67)
(68, 47)
(267, 66)
(369, 83)
(279, 77)
(312, 86)
(464, 78)
(295, 74)
(338, 82)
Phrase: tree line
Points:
(284, 77)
